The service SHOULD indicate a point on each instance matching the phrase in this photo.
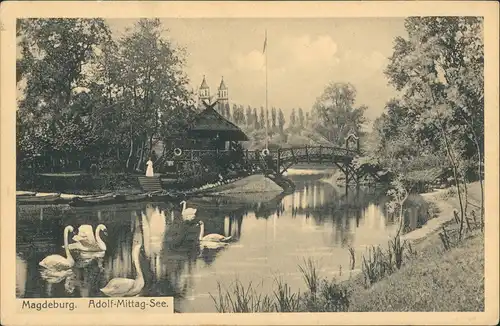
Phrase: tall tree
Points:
(335, 114)
(262, 118)
(293, 118)
(236, 117)
(255, 119)
(273, 117)
(154, 83)
(241, 112)
(52, 55)
(281, 120)
(267, 118)
(308, 119)
(249, 115)
(439, 68)
(301, 118)
(228, 111)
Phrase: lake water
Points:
(271, 238)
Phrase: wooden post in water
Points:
(346, 177)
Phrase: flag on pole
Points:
(265, 43)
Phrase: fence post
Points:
(307, 155)
(278, 161)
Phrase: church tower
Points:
(222, 96)
(204, 93)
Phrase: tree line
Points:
(334, 115)
(91, 97)
(273, 119)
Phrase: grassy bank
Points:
(428, 278)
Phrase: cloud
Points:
(307, 52)
(296, 53)
(253, 61)
(299, 68)
(373, 61)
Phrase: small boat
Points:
(160, 195)
(110, 198)
(121, 198)
(25, 193)
(40, 200)
(124, 198)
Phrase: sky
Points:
(303, 56)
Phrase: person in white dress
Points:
(149, 170)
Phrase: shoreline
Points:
(455, 277)
(252, 184)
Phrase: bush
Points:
(208, 167)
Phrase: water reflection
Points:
(268, 237)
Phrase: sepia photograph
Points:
(252, 164)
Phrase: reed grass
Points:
(285, 299)
(321, 296)
(378, 263)
(241, 299)
(310, 275)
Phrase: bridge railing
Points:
(300, 153)
(279, 158)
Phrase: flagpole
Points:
(266, 113)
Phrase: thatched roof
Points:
(210, 124)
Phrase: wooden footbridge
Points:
(282, 159)
(277, 161)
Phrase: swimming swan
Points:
(213, 237)
(187, 213)
(58, 261)
(126, 287)
(86, 241)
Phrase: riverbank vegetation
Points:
(422, 275)
(437, 123)
(432, 134)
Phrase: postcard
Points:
(277, 163)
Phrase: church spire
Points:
(204, 84)
(222, 85)
(204, 92)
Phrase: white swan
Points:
(187, 213)
(213, 237)
(58, 261)
(86, 241)
(126, 287)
